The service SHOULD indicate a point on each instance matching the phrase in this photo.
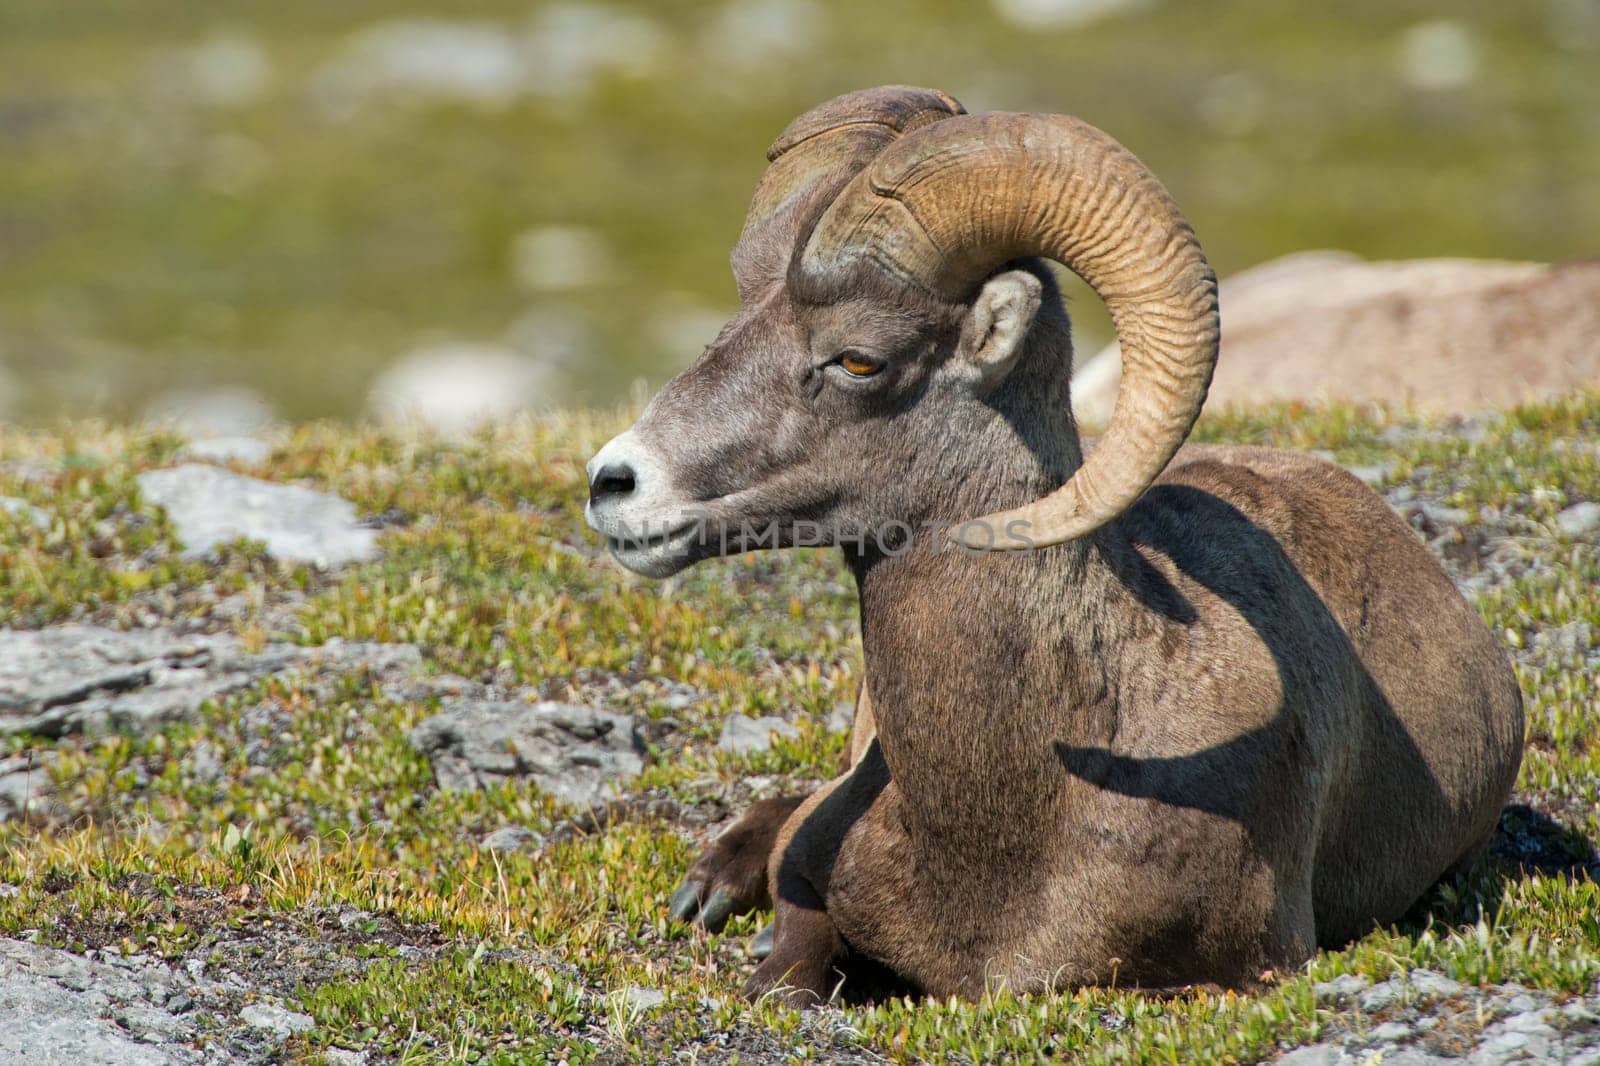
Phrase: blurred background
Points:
(304, 209)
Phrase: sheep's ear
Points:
(991, 338)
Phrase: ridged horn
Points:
(812, 160)
(946, 206)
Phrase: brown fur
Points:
(1249, 716)
(1314, 756)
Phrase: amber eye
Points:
(860, 364)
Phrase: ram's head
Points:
(894, 320)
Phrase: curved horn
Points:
(945, 207)
(812, 160)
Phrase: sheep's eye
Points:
(860, 364)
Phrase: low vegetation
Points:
(549, 954)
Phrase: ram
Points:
(1150, 715)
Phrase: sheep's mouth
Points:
(657, 554)
(629, 541)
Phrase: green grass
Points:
(148, 239)
(529, 958)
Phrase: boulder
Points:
(210, 507)
(1446, 336)
(90, 679)
(579, 755)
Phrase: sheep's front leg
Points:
(731, 876)
(806, 947)
(805, 944)
(807, 963)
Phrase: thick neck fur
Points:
(979, 663)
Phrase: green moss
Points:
(489, 572)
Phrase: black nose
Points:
(611, 481)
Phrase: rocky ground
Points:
(349, 748)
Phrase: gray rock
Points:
(454, 388)
(1383, 995)
(279, 1021)
(1375, 474)
(1568, 641)
(339, 1056)
(27, 789)
(1341, 987)
(79, 678)
(643, 999)
(842, 717)
(1503, 1047)
(64, 1010)
(512, 838)
(1580, 519)
(579, 755)
(203, 765)
(1520, 1002)
(1430, 984)
(89, 679)
(23, 511)
(1531, 1023)
(251, 451)
(1576, 1011)
(743, 735)
(221, 411)
(1390, 1032)
(211, 507)
(1314, 1055)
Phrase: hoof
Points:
(730, 877)
(760, 945)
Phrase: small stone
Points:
(1430, 984)
(1315, 1055)
(1577, 1010)
(203, 765)
(743, 735)
(276, 1020)
(250, 451)
(1390, 1032)
(7, 890)
(339, 1056)
(1375, 474)
(1580, 519)
(27, 789)
(23, 511)
(580, 755)
(211, 507)
(1341, 987)
(223, 411)
(563, 258)
(642, 999)
(842, 717)
(1382, 996)
(1533, 1023)
(454, 388)
(90, 679)
(512, 838)
(1043, 15)
(1520, 1003)
(1502, 1045)
(1439, 54)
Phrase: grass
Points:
(148, 238)
(320, 803)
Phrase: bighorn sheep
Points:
(1446, 336)
(1208, 720)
